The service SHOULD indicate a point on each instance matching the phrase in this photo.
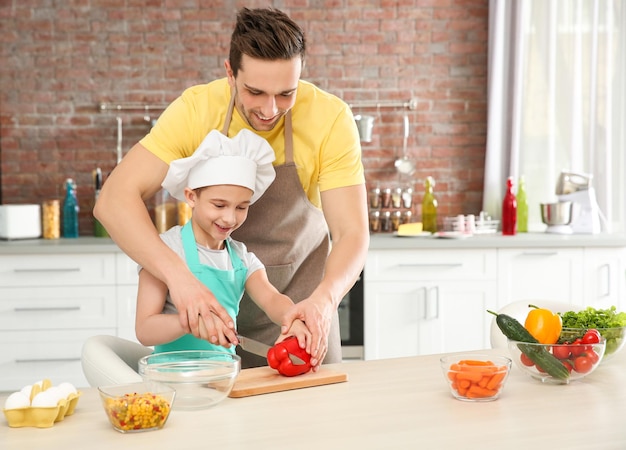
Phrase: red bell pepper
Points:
(278, 358)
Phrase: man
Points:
(319, 187)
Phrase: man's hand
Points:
(195, 302)
(317, 313)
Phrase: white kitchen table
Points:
(385, 404)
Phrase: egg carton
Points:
(42, 416)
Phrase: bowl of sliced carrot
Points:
(476, 378)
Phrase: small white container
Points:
(20, 221)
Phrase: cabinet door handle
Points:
(430, 265)
(50, 308)
(427, 301)
(46, 360)
(424, 291)
(539, 253)
(48, 269)
(607, 291)
(436, 290)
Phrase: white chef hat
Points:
(245, 160)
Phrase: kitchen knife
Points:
(261, 349)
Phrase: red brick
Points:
(57, 65)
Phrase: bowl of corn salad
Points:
(137, 407)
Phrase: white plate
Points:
(452, 235)
(423, 234)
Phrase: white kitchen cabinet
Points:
(51, 302)
(421, 302)
(31, 355)
(604, 277)
(126, 292)
(540, 274)
(429, 295)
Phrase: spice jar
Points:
(51, 219)
(375, 221)
(375, 198)
(385, 224)
(396, 198)
(386, 198)
(396, 220)
(407, 197)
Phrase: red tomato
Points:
(568, 365)
(526, 360)
(582, 364)
(577, 348)
(561, 351)
(592, 336)
(593, 356)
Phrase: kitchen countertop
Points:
(378, 241)
(387, 241)
(394, 403)
(65, 245)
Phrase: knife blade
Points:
(261, 349)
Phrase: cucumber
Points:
(512, 329)
(542, 358)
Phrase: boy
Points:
(219, 181)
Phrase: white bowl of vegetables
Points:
(610, 324)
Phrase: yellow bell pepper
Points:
(544, 325)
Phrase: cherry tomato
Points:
(592, 336)
(526, 360)
(577, 348)
(593, 356)
(561, 351)
(582, 364)
(568, 365)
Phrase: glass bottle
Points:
(429, 207)
(509, 210)
(70, 210)
(522, 206)
(165, 211)
(184, 213)
(98, 228)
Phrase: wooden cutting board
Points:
(264, 380)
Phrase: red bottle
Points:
(509, 210)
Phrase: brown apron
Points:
(290, 236)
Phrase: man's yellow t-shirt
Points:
(327, 150)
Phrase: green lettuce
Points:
(594, 318)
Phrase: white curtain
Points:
(557, 101)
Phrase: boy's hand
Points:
(301, 332)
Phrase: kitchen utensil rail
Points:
(409, 104)
(135, 106)
(131, 106)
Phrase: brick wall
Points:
(58, 63)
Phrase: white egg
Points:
(17, 400)
(67, 388)
(26, 390)
(56, 393)
(44, 400)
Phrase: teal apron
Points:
(227, 286)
